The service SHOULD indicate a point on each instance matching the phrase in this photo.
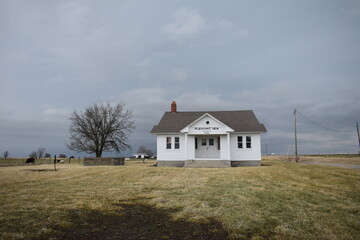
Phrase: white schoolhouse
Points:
(208, 138)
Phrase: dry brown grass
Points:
(280, 200)
(340, 159)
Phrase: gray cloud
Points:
(273, 57)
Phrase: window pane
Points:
(196, 143)
(177, 142)
(211, 142)
(168, 142)
(218, 142)
(203, 142)
(240, 142)
(248, 141)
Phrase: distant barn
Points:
(141, 155)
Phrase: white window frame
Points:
(176, 144)
(248, 142)
(167, 143)
(240, 142)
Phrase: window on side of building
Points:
(248, 141)
(218, 143)
(203, 142)
(240, 141)
(196, 147)
(168, 142)
(177, 142)
(211, 142)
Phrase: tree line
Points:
(40, 154)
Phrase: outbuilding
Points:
(141, 155)
(208, 138)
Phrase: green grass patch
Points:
(279, 200)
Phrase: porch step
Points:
(207, 163)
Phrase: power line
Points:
(318, 124)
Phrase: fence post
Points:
(55, 163)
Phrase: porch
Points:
(207, 163)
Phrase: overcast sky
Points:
(268, 56)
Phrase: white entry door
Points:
(207, 147)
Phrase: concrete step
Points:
(213, 163)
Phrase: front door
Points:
(207, 147)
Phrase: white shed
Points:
(141, 155)
(208, 138)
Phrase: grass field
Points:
(280, 200)
(21, 161)
(353, 159)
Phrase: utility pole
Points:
(266, 150)
(357, 127)
(296, 151)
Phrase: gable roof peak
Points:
(239, 121)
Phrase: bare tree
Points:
(40, 153)
(6, 154)
(147, 152)
(101, 128)
(142, 149)
(33, 154)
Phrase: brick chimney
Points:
(173, 107)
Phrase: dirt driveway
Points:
(334, 164)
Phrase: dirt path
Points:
(335, 165)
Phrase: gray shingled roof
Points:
(240, 121)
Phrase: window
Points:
(168, 142)
(177, 143)
(211, 142)
(248, 141)
(196, 143)
(218, 143)
(240, 142)
(203, 142)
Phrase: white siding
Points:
(254, 153)
(207, 126)
(236, 154)
(223, 148)
(191, 147)
(170, 154)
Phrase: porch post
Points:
(186, 146)
(228, 147)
